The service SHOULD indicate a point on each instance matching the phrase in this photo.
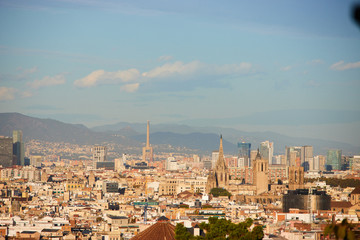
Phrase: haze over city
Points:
(290, 67)
(179, 120)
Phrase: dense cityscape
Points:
(179, 120)
(293, 196)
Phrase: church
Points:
(219, 177)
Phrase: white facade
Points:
(171, 164)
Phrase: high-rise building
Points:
(293, 155)
(171, 164)
(334, 159)
(18, 147)
(322, 162)
(6, 151)
(267, 151)
(306, 158)
(148, 150)
(253, 154)
(354, 164)
(214, 158)
(244, 152)
(99, 154)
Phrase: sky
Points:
(286, 66)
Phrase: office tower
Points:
(322, 163)
(333, 159)
(6, 151)
(244, 153)
(171, 164)
(99, 154)
(253, 154)
(355, 163)
(214, 158)
(306, 157)
(267, 151)
(36, 161)
(260, 168)
(293, 155)
(148, 150)
(316, 163)
(18, 147)
(277, 159)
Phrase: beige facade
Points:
(260, 174)
(296, 178)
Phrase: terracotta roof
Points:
(356, 190)
(342, 204)
(158, 231)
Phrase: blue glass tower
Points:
(244, 152)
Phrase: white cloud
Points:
(7, 93)
(132, 78)
(133, 87)
(102, 77)
(165, 58)
(196, 68)
(48, 81)
(287, 68)
(341, 66)
(176, 68)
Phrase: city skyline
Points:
(286, 67)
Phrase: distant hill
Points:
(231, 135)
(51, 130)
(204, 142)
(204, 139)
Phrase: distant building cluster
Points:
(44, 194)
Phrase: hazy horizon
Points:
(290, 67)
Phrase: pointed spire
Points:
(258, 156)
(221, 150)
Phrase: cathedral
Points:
(219, 177)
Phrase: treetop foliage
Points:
(222, 229)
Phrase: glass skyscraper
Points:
(334, 159)
(244, 152)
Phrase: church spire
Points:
(221, 150)
(258, 156)
(220, 163)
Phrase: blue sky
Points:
(291, 67)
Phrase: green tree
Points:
(222, 229)
(216, 192)
(341, 231)
(257, 233)
(181, 233)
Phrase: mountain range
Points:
(182, 137)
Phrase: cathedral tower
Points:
(296, 178)
(219, 177)
(260, 174)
